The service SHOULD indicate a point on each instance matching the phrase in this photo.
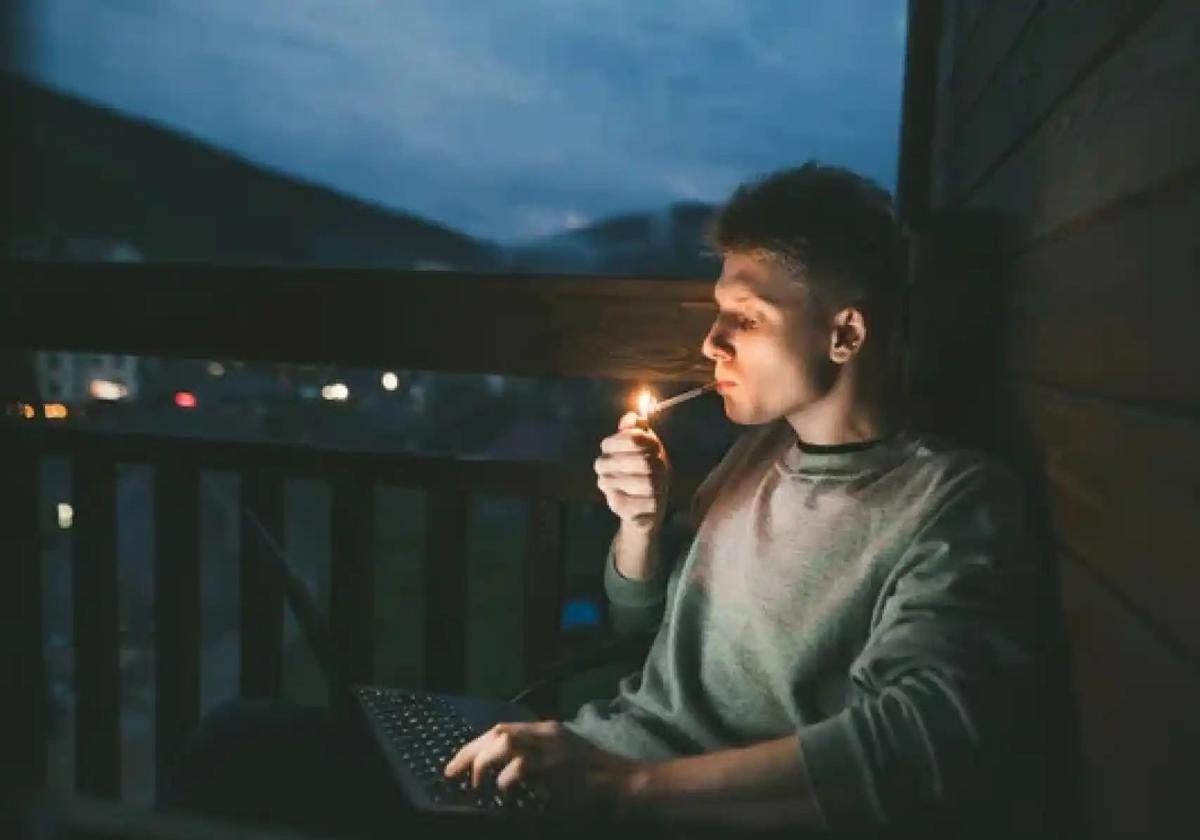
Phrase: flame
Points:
(645, 404)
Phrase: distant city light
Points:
(66, 515)
(336, 391)
(390, 381)
(185, 399)
(216, 369)
(22, 410)
(55, 411)
(104, 389)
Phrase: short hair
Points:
(832, 230)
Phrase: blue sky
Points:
(506, 120)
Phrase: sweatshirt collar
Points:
(803, 460)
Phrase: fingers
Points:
(512, 774)
(633, 486)
(628, 463)
(631, 440)
(502, 746)
(629, 420)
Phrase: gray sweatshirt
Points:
(881, 603)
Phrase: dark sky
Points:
(507, 120)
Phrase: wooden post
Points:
(23, 765)
(352, 587)
(446, 592)
(261, 585)
(176, 610)
(543, 597)
(97, 631)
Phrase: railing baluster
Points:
(261, 585)
(446, 591)
(352, 585)
(543, 597)
(97, 629)
(176, 610)
(24, 767)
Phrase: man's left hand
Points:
(575, 774)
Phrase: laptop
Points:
(418, 732)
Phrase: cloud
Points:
(464, 112)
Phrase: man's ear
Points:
(849, 335)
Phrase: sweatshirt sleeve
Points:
(945, 686)
(637, 606)
(634, 606)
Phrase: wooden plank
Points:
(571, 482)
(918, 108)
(982, 49)
(352, 585)
(97, 636)
(176, 611)
(544, 575)
(1057, 52)
(1110, 309)
(262, 585)
(23, 765)
(1136, 706)
(446, 591)
(514, 324)
(970, 12)
(1121, 490)
(1132, 125)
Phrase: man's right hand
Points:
(634, 475)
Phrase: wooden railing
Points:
(629, 329)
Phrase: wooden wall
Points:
(1076, 125)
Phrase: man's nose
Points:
(715, 346)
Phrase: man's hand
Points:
(574, 773)
(634, 475)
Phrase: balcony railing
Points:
(648, 330)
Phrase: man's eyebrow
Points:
(750, 297)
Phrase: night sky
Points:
(505, 120)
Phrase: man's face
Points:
(770, 352)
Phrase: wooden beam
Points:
(1122, 675)
(1110, 310)
(448, 321)
(262, 585)
(446, 592)
(97, 636)
(983, 46)
(569, 482)
(352, 586)
(23, 765)
(1119, 488)
(176, 611)
(914, 182)
(1126, 125)
(544, 572)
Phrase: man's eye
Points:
(746, 323)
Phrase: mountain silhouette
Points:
(80, 174)
(87, 183)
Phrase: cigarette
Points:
(684, 397)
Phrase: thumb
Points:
(629, 420)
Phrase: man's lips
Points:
(724, 385)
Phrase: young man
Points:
(852, 640)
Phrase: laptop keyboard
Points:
(420, 733)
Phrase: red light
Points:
(185, 399)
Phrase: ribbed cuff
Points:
(837, 772)
(627, 592)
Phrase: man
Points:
(852, 640)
